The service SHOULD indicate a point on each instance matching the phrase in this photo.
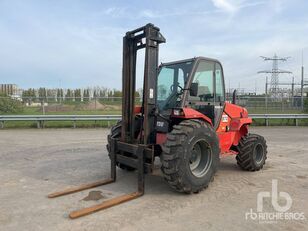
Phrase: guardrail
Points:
(266, 117)
(40, 119)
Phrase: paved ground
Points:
(36, 162)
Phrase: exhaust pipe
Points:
(234, 97)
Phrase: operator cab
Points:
(196, 83)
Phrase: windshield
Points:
(170, 84)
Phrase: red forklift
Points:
(184, 119)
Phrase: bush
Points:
(8, 105)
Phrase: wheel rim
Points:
(258, 153)
(200, 159)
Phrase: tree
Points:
(33, 94)
(117, 93)
(94, 93)
(51, 95)
(9, 105)
(69, 95)
(103, 91)
(86, 95)
(77, 95)
(59, 95)
(42, 94)
(28, 95)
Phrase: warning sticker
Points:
(151, 93)
(224, 118)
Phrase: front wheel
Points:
(252, 154)
(190, 156)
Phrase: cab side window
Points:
(220, 93)
(210, 96)
(204, 77)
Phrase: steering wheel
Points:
(172, 87)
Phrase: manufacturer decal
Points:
(160, 124)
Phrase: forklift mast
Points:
(147, 37)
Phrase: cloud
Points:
(115, 12)
(225, 5)
(232, 6)
(221, 7)
(149, 14)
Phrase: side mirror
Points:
(194, 89)
(234, 97)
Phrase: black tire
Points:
(252, 152)
(116, 133)
(180, 148)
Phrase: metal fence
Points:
(112, 105)
(261, 104)
(68, 105)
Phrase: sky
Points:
(78, 43)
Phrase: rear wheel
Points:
(252, 152)
(190, 156)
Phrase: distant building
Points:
(9, 89)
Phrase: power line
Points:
(274, 85)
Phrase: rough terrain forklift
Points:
(184, 119)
